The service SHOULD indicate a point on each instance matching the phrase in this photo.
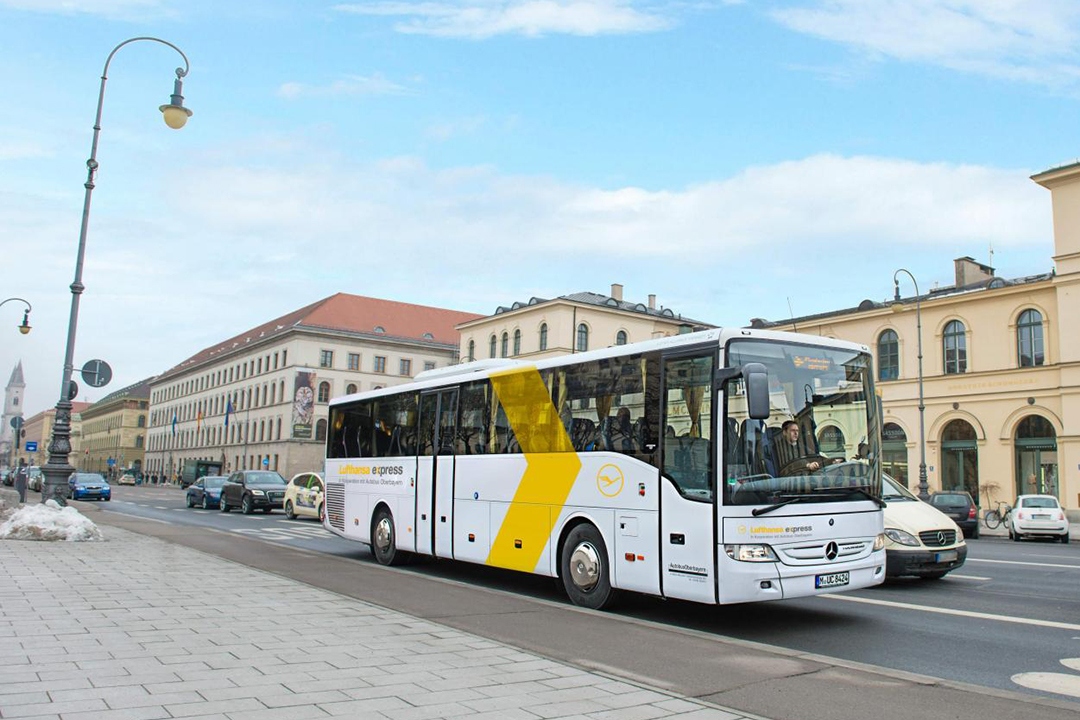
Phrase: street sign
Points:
(16, 422)
(96, 373)
(266, 462)
(31, 446)
(73, 390)
(110, 462)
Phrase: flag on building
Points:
(198, 421)
(174, 423)
(228, 412)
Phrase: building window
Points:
(1029, 339)
(492, 348)
(620, 337)
(405, 367)
(582, 338)
(380, 364)
(324, 392)
(543, 336)
(142, 421)
(326, 358)
(517, 342)
(472, 351)
(354, 361)
(888, 353)
(429, 365)
(505, 347)
(955, 346)
(350, 389)
(320, 431)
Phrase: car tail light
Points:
(1061, 514)
(971, 513)
(1019, 514)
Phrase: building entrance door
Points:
(960, 458)
(1036, 457)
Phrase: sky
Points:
(738, 159)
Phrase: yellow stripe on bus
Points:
(551, 468)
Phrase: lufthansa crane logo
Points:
(609, 480)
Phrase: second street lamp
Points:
(924, 489)
(58, 468)
(25, 327)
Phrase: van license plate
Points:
(948, 556)
(832, 580)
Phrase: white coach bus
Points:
(655, 467)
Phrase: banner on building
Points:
(303, 414)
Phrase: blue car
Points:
(205, 492)
(89, 486)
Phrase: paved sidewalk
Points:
(134, 628)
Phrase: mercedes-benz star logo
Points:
(831, 551)
(941, 537)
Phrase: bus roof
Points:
(483, 368)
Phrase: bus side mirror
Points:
(756, 382)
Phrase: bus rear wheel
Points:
(384, 539)
(583, 566)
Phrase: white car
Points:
(304, 496)
(1038, 516)
(920, 540)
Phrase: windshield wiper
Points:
(787, 500)
(860, 491)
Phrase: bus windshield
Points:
(821, 440)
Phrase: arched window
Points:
(505, 347)
(955, 346)
(543, 336)
(320, 430)
(831, 441)
(620, 337)
(472, 350)
(491, 352)
(350, 389)
(1029, 338)
(324, 392)
(888, 351)
(142, 421)
(1036, 450)
(517, 342)
(582, 337)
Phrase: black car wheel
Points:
(190, 501)
(289, 510)
(246, 505)
(222, 505)
(205, 502)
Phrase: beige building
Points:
(114, 432)
(259, 399)
(571, 323)
(1000, 375)
(38, 430)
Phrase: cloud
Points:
(123, 9)
(1031, 41)
(480, 19)
(352, 85)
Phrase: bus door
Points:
(688, 483)
(435, 473)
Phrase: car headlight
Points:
(901, 537)
(750, 553)
(257, 492)
(879, 541)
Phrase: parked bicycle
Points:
(998, 516)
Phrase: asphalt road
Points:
(1001, 636)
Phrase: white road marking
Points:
(1072, 663)
(959, 613)
(1021, 562)
(954, 576)
(1060, 683)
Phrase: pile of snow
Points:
(48, 522)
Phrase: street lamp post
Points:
(58, 468)
(924, 488)
(25, 327)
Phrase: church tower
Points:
(13, 407)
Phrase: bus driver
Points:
(790, 457)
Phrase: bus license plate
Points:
(832, 580)
(947, 556)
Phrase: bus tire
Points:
(583, 566)
(384, 539)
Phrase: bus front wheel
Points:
(584, 568)
(384, 540)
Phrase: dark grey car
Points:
(253, 489)
(961, 508)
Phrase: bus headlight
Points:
(879, 541)
(750, 553)
(902, 538)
